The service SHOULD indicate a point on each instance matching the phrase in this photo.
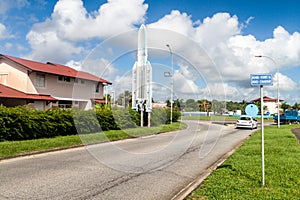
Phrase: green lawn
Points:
(239, 177)
(219, 118)
(13, 148)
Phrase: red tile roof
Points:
(8, 92)
(265, 98)
(53, 68)
(100, 101)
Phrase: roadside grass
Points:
(239, 177)
(209, 118)
(219, 118)
(14, 148)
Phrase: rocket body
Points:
(142, 75)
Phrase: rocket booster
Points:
(142, 75)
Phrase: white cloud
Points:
(217, 30)
(74, 64)
(232, 54)
(46, 46)
(8, 46)
(215, 46)
(6, 5)
(122, 83)
(285, 83)
(100, 67)
(3, 32)
(58, 36)
(175, 21)
(184, 85)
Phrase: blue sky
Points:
(226, 35)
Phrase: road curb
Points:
(77, 146)
(182, 194)
(41, 152)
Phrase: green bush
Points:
(22, 123)
(86, 121)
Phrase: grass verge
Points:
(210, 118)
(219, 118)
(239, 177)
(14, 148)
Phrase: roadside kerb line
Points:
(182, 194)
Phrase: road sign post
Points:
(261, 80)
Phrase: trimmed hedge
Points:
(22, 123)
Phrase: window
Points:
(67, 79)
(79, 81)
(64, 78)
(97, 87)
(40, 80)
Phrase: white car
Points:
(246, 121)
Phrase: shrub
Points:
(22, 123)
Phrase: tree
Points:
(204, 105)
(191, 105)
(296, 106)
(285, 106)
(124, 99)
(178, 104)
(218, 106)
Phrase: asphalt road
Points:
(152, 167)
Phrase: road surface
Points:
(151, 167)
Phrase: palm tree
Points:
(285, 106)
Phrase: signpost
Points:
(261, 80)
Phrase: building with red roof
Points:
(46, 85)
(270, 103)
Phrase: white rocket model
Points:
(142, 76)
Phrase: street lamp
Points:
(113, 98)
(172, 74)
(278, 105)
(105, 88)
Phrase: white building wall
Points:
(15, 76)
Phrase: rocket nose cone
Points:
(142, 26)
(142, 37)
(142, 30)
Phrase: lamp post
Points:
(113, 98)
(105, 88)
(278, 103)
(172, 73)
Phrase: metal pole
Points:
(278, 101)
(262, 135)
(142, 117)
(105, 90)
(113, 98)
(149, 119)
(172, 73)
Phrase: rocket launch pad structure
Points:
(142, 78)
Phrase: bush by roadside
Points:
(22, 123)
(25, 147)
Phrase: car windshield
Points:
(245, 118)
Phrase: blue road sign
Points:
(251, 110)
(261, 79)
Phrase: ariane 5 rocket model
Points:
(142, 76)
